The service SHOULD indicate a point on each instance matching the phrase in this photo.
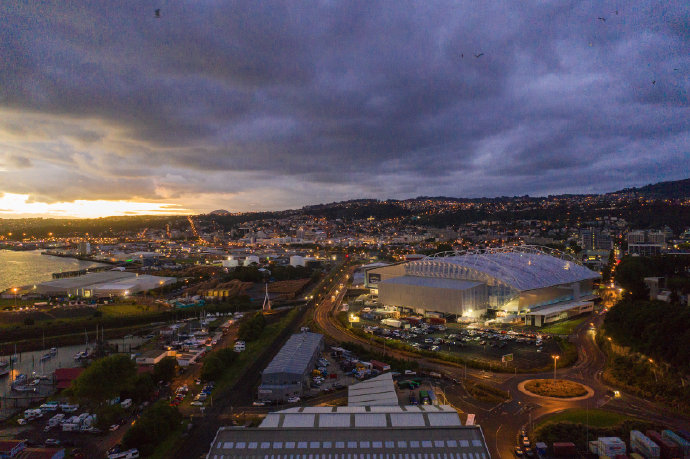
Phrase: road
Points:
(501, 424)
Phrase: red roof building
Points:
(64, 376)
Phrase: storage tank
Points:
(231, 262)
(640, 443)
(297, 260)
(251, 259)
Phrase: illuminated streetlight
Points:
(555, 359)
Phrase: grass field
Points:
(561, 388)
(123, 309)
(594, 417)
(563, 328)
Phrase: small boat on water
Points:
(24, 388)
(21, 379)
(53, 351)
(46, 357)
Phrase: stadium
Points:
(511, 280)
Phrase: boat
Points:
(4, 372)
(19, 380)
(53, 351)
(46, 356)
(4, 363)
(24, 388)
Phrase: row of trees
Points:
(631, 272)
(216, 363)
(154, 425)
(251, 329)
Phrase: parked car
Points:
(293, 399)
(258, 403)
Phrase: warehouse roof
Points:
(435, 282)
(364, 416)
(523, 268)
(378, 391)
(355, 442)
(296, 354)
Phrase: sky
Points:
(107, 109)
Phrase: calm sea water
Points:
(30, 267)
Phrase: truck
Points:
(641, 444)
(395, 323)
(682, 443)
(669, 450)
(564, 449)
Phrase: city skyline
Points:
(112, 110)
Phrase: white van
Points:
(127, 403)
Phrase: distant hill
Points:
(677, 189)
(221, 212)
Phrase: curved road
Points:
(502, 423)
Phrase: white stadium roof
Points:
(523, 268)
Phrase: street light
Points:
(555, 359)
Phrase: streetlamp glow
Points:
(555, 359)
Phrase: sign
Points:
(507, 358)
(374, 278)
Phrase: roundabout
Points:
(555, 389)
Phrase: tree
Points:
(165, 370)
(153, 427)
(216, 363)
(251, 329)
(142, 388)
(105, 378)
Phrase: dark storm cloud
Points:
(355, 98)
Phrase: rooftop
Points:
(356, 443)
(378, 391)
(523, 268)
(296, 354)
(435, 282)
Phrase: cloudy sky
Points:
(105, 108)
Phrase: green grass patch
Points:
(594, 417)
(171, 443)
(485, 393)
(563, 328)
(123, 309)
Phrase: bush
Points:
(251, 329)
(165, 370)
(216, 363)
(153, 427)
(105, 378)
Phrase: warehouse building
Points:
(288, 373)
(377, 391)
(510, 280)
(358, 432)
(550, 314)
(101, 284)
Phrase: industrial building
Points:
(400, 432)
(510, 280)
(377, 391)
(561, 311)
(288, 373)
(106, 283)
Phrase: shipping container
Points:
(564, 449)
(610, 446)
(669, 450)
(641, 444)
(678, 440)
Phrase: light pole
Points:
(555, 359)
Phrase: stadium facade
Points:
(511, 280)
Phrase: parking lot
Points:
(489, 345)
